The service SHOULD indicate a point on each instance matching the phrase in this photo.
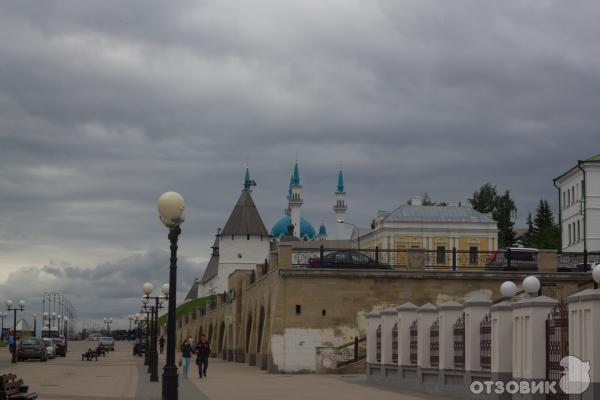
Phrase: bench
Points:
(10, 389)
(89, 355)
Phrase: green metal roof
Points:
(594, 158)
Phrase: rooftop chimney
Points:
(416, 201)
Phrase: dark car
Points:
(61, 346)
(521, 259)
(577, 267)
(346, 259)
(32, 347)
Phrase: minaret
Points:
(295, 200)
(248, 183)
(340, 206)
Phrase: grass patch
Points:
(187, 307)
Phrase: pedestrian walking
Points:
(186, 354)
(11, 342)
(161, 343)
(202, 353)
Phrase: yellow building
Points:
(436, 230)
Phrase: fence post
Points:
(448, 314)
(584, 308)
(585, 258)
(426, 314)
(453, 258)
(508, 258)
(321, 253)
(502, 342)
(373, 322)
(377, 254)
(389, 318)
(475, 310)
(407, 313)
(355, 348)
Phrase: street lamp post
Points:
(171, 207)
(147, 289)
(9, 306)
(108, 321)
(339, 221)
(2, 316)
(130, 317)
(66, 330)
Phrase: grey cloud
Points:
(104, 107)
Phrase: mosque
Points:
(245, 242)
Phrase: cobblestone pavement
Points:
(122, 376)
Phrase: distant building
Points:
(436, 229)
(579, 206)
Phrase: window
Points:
(573, 193)
(473, 256)
(569, 233)
(358, 258)
(298, 309)
(568, 197)
(239, 255)
(324, 312)
(440, 256)
(564, 202)
(578, 231)
(247, 237)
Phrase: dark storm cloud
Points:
(105, 105)
(106, 290)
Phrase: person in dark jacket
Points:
(161, 342)
(202, 353)
(186, 354)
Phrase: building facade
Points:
(434, 229)
(579, 206)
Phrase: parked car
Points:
(521, 259)
(60, 346)
(32, 347)
(108, 343)
(50, 348)
(346, 259)
(581, 267)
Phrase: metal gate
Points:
(459, 342)
(485, 343)
(414, 333)
(434, 344)
(395, 344)
(557, 346)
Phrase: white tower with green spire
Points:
(295, 200)
(340, 207)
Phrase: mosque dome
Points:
(280, 228)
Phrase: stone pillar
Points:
(415, 258)
(448, 313)
(389, 318)
(502, 342)
(547, 261)
(529, 344)
(475, 310)
(426, 314)
(407, 313)
(584, 325)
(373, 322)
(285, 255)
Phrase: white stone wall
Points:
(571, 209)
(296, 349)
(252, 251)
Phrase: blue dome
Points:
(281, 228)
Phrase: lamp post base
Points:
(154, 366)
(170, 383)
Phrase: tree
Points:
(484, 200)
(428, 202)
(546, 233)
(528, 236)
(502, 207)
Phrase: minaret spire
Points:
(248, 183)
(295, 200)
(340, 206)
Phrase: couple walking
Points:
(202, 352)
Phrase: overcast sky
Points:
(104, 105)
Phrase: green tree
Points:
(546, 233)
(428, 202)
(502, 207)
(528, 236)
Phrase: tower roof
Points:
(245, 219)
(296, 175)
(340, 185)
(193, 292)
(212, 268)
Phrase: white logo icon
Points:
(576, 375)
